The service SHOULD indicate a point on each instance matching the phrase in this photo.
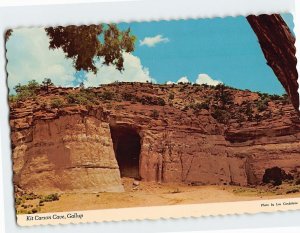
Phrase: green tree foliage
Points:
(33, 85)
(25, 91)
(222, 116)
(128, 96)
(47, 83)
(56, 103)
(262, 105)
(107, 95)
(84, 97)
(85, 43)
(199, 106)
(223, 95)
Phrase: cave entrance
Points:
(127, 147)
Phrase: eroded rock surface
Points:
(278, 45)
(188, 133)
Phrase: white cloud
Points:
(206, 79)
(134, 72)
(153, 41)
(170, 83)
(29, 58)
(183, 80)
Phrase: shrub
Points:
(149, 100)
(224, 96)
(171, 96)
(285, 99)
(222, 116)
(56, 103)
(203, 105)
(50, 198)
(249, 110)
(43, 105)
(107, 95)
(18, 201)
(275, 97)
(127, 96)
(83, 98)
(33, 86)
(154, 114)
(24, 92)
(262, 105)
(12, 98)
(161, 101)
(34, 210)
(258, 118)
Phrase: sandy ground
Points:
(153, 194)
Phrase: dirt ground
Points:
(154, 194)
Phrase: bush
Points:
(154, 114)
(107, 95)
(199, 106)
(85, 97)
(18, 201)
(161, 102)
(12, 98)
(127, 97)
(24, 92)
(171, 96)
(34, 210)
(275, 97)
(33, 86)
(50, 198)
(285, 99)
(56, 103)
(248, 110)
(222, 116)
(224, 96)
(262, 105)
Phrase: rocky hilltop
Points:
(85, 139)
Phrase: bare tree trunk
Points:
(278, 45)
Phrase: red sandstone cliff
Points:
(278, 45)
(71, 140)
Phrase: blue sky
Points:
(203, 51)
(225, 49)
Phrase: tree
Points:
(81, 85)
(86, 44)
(47, 83)
(33, 85)
(26, 91)
(18, 88)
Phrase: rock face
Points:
(167, 133)
(278, 45)
(71, 153)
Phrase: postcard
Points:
(156, 119)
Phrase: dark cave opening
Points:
(127, 147)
